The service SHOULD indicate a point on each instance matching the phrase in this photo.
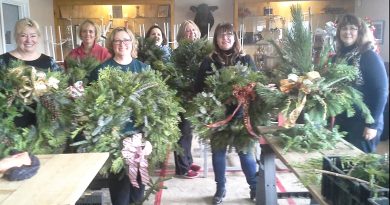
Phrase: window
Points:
(10, 12)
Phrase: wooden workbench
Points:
(266, 191)
(61, 179)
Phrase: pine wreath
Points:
(218, 101)
(79, 69)
(107, 105)
(322, 89)
(187, 58)
(25, 88)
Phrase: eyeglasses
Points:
(349, 28)
(226, 34)
(124, 41)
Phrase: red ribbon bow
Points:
(243, 95)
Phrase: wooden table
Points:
(61, 179)
(266, 191)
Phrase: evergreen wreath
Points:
(25, 88)
(322, 89)
(79, 69)
(217, 101)
(186, 59)
(107, 105)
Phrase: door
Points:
(10, 16)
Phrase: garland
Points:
(213, 105)
(24, 89)
(107, 105)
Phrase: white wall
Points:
(42, 12)
(224, 13)
(376, 10)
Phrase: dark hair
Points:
(235, 50)
(164, 41)
(364, 41)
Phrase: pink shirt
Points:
(97, 51)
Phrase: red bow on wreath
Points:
(243, 95)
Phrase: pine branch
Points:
(347, 177)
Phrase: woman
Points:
(355, 44)
(27, 37)
(122, 44)
(89, 34)
(227, 52)
(184, 165)
(160, 39)
(188, 30)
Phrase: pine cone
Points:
(49, 103)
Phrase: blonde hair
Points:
(97, 28)
(182, 30)
(110, 40)
(23, 24)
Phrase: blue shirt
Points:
(135, 66)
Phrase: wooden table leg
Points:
(266, 188)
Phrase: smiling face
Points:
(122, 44)
(349, 34)
(225, 40)
(28, 40)
(157, 36)
(88, 34)
(190, 32)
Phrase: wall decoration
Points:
(379, 31)
(163, 11)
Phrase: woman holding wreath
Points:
(227, 52)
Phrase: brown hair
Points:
(182, 30)
(235, 50)
(97, 28)
(110, 40)
(364, 41)
(164, 41)
(23, 23)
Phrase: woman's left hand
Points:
(369, 133)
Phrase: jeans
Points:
(184, 160)
(122, 192)
(248, 166)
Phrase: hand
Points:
(369, 133)
(16, 160)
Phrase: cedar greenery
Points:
(217, 100)
(309, 137)
(332, 94)
(79, 69)
(52, 128)
(108, 104)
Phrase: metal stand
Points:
(266, 183)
